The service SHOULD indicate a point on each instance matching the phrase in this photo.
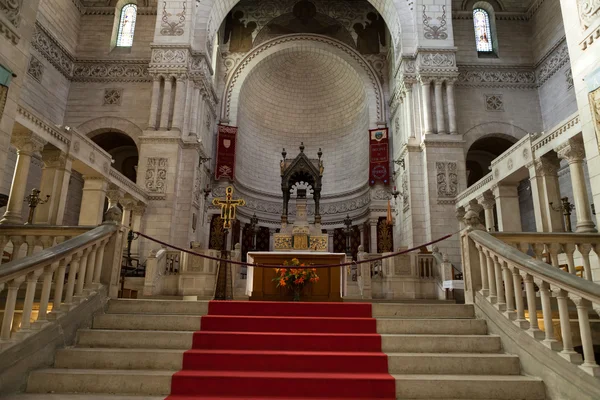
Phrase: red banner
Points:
(225, 165)
(379, 159)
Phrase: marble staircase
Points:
(435, 351)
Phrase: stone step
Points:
(119, 358)
(498, 387)
(153, 306)
(147, 322)
(63, 396)
(440, 343)
(432, 326)
(423, 311)
(456, 363)
(109, 381)
(108, 338)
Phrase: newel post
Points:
(113, 252)
(470, 255)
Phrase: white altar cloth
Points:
(291, 254)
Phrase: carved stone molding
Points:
(12, 11)
(54, 158)
(172, 26)
(548, 165)
(27, 143)
(510, 77)
(589, 11)
(437, 30)
(35, 69)
(156, 175)
(552, 62)
(573, 151)
(50, 48)
(447, 179)
(169, 57)
(111, 71)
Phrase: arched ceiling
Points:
(308, 95)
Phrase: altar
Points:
(260, 285)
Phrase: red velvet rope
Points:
(312, 266)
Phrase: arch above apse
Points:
(100, 125)
(372, 85)
(397, 14)
(493, 129)
(496, 5)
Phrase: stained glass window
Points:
(483, 34)
(126, 25)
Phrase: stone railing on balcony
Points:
(87, 261)
(576, 253)
(18, 241)
(508, 285)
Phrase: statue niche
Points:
(301, 235)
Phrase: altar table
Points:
(259, 284)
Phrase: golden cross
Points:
(228, 206)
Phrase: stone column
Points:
(330, 240)
(548, 166)
(427, 120)
(439, 107)
(180, 97)
(92, 200)
(574, 153)
(488, 202)
(451, 107)
(409, 109)
(54, 182)
(165, 111)
(127, 204)
(537, 194)
(272, 231)
(361, 229)
(373, 244)
(136, 225)
(153, 120)
(195, 106)
(27, 144)
(507, 208)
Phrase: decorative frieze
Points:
(551, 63)
(50, 48)
(156, 175)
(511, 77)
(111, 71)
(35, 69)
(12, 11)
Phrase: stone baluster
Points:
(569, 249)
(165, 111)
(32, 279)
(153, 120)
(554, 249)
(451, 107)
(485, 291)
(573, 151)
(9, 307)
(439, 107)
(545, 295)
(520, 320)
(27, 145)
(73, 268)
(589, 361)
(81, 273)
(427, 114)
(59, 281)
(534, 329)
(565, 328)
(91, 266)
(508, 289)
(46, 287)
(4, 240)
(501, 302)
(17, 242)
(99, 262)
(585, 249)
(491, 277)
(30, 240)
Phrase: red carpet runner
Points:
(276, 351)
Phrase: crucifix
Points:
(228, 206)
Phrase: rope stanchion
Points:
(245, 264)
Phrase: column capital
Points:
(54, 158)
(139, 209)
(573, 151)
(487, 201)
(424, 79)
(27, 142)
(127, 203)
(114, 194)
(547, 165)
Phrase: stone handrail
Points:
(129, 187)
(474, 191)
(497, 271)
(35, 237)
(82, 259)
(557, 135)
(548, 246)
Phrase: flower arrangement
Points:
(294, 275)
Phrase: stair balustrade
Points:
(498, 271)
(68, 272)
(18, 241)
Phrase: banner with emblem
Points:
(225, 164)
(379, 159)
